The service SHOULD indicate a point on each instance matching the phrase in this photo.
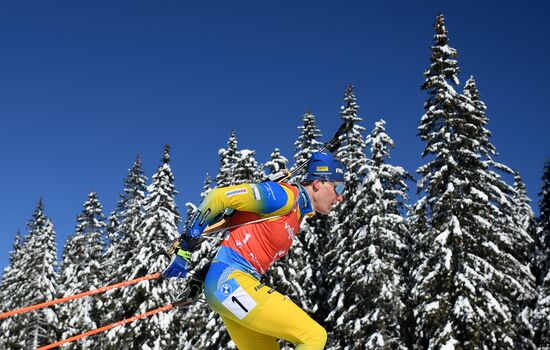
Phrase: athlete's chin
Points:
(325, 211)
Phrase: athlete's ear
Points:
(316, 185)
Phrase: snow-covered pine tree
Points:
(524, 219)
(207, 186)
(302, 274)
(523, 243)
(82, 269)
(12, 295)
(352, 154)
(523, 210)
(122, 233)
(228, 159)
(542, 263)
(11, 276)
(247, 169)
(277, 162)
(307, 143)
(158, 230)
(372, 309)
(129, 213)
(514, 229)
(38, 266)
(465, 287)
(542, 311)
(111, 231)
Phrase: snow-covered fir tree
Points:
(123, 232)
(542, 311)
(277, 162)
(112, 232)
(12, 295)
(542, 263)
(524, 221)
(38, 267)
(247, 169)
(371, 308)
(352, 153)
(207, 186)
(158, 230)
(129, 214)
(228, 160)
(11, 276)
(468, 280)
(307, 143)
(302, 274)
(82, 269)
(522, 249)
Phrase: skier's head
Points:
(324, 167)
(325, 181)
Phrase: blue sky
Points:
(86, 86)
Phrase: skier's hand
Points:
(179, 264)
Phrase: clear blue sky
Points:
(85, 86)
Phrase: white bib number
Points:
(235, 298)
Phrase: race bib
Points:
(235, 298)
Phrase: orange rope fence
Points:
(107, 327)
(80, 295)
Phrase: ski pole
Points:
(80, 295)
(115, 324)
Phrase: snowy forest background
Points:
(465, 265)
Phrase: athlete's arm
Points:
(266, 198)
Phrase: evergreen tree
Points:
(468, 281)
(542, 263)
(372, 306)
(11, 276)
(111, 230)
(124, 234)
(542, 311)
(306, 144)
(247, 169)
(207, 187)
(130, 215)
(39, 263)
(157, 231)
(523, 248)
(12, 295)
(277, 162)
(302, 274)
(352, 154)
(82, 270)
(524, 221)
(228, 160)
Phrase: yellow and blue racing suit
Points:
(256, 315)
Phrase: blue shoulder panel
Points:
(272, 195)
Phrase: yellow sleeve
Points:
(265, 198)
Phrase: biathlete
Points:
(256, 315)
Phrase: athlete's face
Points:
(326, 196)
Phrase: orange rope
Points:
(104, 328)
(80, 295)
